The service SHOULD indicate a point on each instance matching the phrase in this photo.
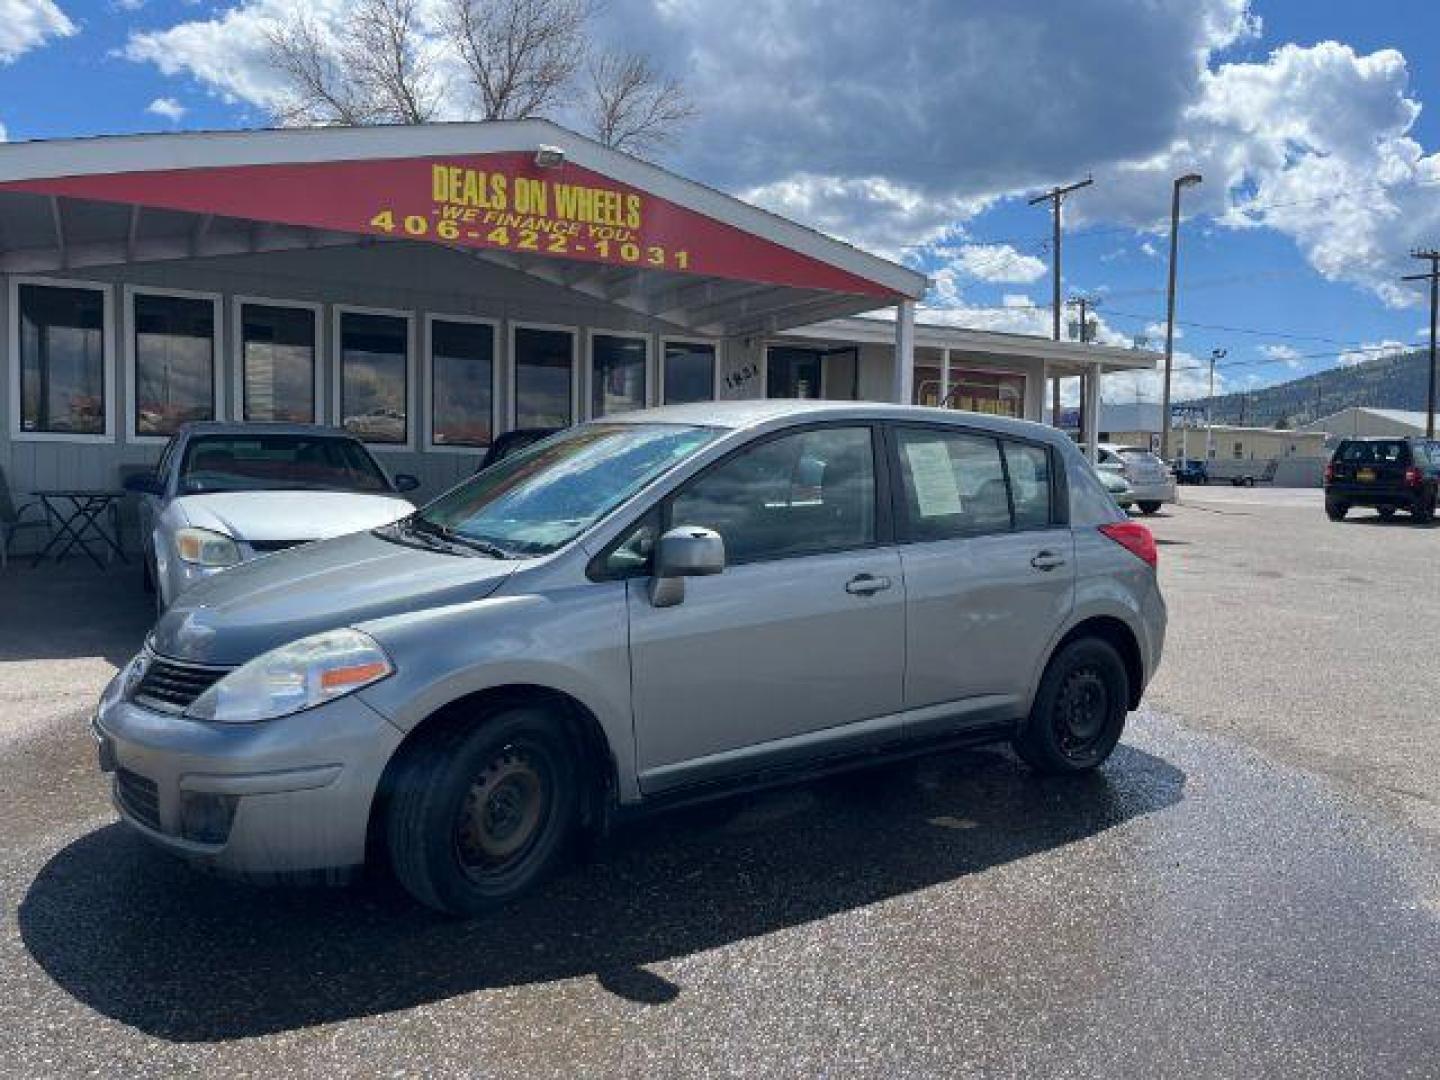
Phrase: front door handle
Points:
(866, 584)
(1047, 560)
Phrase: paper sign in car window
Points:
(936, 489)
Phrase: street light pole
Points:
(1188, 180)
(1215, 354)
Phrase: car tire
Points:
(1424, 511)
(1079, 710)
(1249, 481)
(1386, 512)
(480, 812)
(1336, 511)
(1149, 507)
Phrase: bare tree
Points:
(522, 55)
(632, 107)
(378, 73)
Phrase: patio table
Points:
(76, 514)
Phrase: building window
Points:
(374, 360)
(792, 373)
(617, 373)
(174, 362)
(277, 358)
(62, 360)
(462, 383)
(689, 372)
(995, 393)
(544, 373)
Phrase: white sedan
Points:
(224, 494)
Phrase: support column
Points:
(903, 377)
(945, 378)
(1090, 415)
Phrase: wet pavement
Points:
(1210, 904)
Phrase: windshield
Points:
(541, 498)
(279, 463)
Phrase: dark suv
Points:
(1389, 474)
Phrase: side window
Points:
(1029, 468)
(954, 484)
(798, 494)
(631, 556)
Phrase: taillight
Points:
(1329, 472)
(1413, 477)
(1134, 538)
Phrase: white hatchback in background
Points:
(225, 493)
(1152, 484)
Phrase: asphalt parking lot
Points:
(1248, 888)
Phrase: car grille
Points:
(264, 547)
(138, 797)
(171, 687)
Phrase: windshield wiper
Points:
(450, 536)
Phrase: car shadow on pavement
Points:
(139, 937)
(72, 610)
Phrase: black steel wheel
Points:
(1386, 512)
(480, 812)
(1079, 710)
(1149, 508)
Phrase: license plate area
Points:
(1366, 476)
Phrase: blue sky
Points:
(864, 120)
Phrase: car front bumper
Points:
(283, 796)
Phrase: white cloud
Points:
(999, 263)
(1373, 351)
(4, 134)
(1286, 354)
(168, 108)
(28, 24)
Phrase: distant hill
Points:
(1391, 382)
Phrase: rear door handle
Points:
(1047, 560)
(866, 584)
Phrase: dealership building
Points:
(428, 287)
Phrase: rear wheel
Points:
(1079, 711)
(481, 812)
(1424, 511)
(1386, 512)
(1149, 507)
(1335, 510)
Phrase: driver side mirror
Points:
(406, 482)
(684, 551)
(144, 483)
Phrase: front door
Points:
(799, 641)
(989, 571)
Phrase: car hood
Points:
(257, 606)
(285, 516)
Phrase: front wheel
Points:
(1079, 711)
(1149, 507)
(1424, 511)
(481, 812)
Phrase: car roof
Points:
(258, 427)
(776, 412)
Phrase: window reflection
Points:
(544, 364)
(174, 362)
(278, 354)
(689, 372)
(373, 357)
(462, 358)
(62, 360)
(617, 377)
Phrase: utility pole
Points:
(1188, 180)
(1084, 304)
(1056, 196)
(1432, 256)
(1215, 354)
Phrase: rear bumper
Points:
(1370, 495)
(277, 797)
(1161, 491)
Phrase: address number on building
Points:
(566, 241)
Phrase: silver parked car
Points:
(1151, 481)
(226, 493)
(637, 611)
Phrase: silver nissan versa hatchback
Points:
(634, 612)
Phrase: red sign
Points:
(497, 201)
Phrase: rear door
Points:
(989, 569)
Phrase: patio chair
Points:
(13, 520)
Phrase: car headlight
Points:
(294, 677)
(201, 547)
